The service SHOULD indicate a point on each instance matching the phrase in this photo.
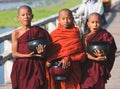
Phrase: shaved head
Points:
(66, 10)
(95, 14)
(25, 7)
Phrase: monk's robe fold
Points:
(29, 73)
(66, 43)
(93, 70)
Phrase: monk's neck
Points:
(26, 27)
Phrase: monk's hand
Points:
(40, 50)
(100, 55)
(32, 54)
(64, 62)
(48, 64)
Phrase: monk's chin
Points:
(67, 27)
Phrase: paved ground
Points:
(113, 27)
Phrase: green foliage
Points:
(8, 18)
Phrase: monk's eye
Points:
(23, 15)
(98, 22)
(63, 18)
(69, 18)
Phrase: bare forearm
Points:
(20, 55)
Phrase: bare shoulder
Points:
(15, 33)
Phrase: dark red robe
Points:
(66, 43)
(29, 73)
(96, 74)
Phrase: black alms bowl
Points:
(98, 45)
(58, 72)
(33, 43)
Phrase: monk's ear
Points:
(58, 20)
(73, 19)
(32, 16)
(87, 23)
(18, 18)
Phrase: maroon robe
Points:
(29, 73)
(96, 74)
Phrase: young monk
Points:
(96, 69)
(28, 70)
(67, 50)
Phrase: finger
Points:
(32, 53)
(95, 53)
(44, 46)
(103, 58)
(98, 51)
(59, 63)
(40, 45)
(48, 64)
(40, 48)
(64, 65)
(103, 52)
(38, 55)
(68, 63)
